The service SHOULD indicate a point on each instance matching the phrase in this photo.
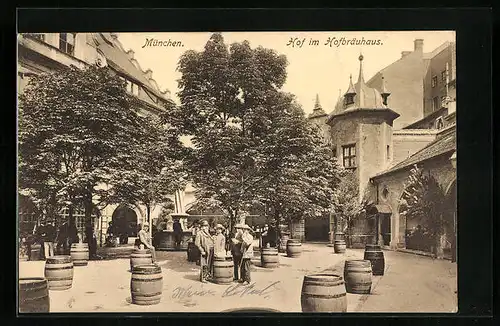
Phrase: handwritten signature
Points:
(183, 293)
(250, 289)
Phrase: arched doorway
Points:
(124, 221)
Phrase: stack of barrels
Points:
(323, 293)
(375, 255)
(293, 248)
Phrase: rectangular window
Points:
(135, 89)
(435, 103)
(67, 43)
(388, 153)
(349, 156)
(443, 75)
(434, 81)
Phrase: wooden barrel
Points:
(140, 257)
(35, 252)
(372, 247)
(223, 270)
(146, 284)
(339, 246)
(269, 258)
(80, 254)
(358, 276)
(339, 236)
(376, 257)
(293, 248)
(33, 295)
(59, 272)
(283, 243)
(323, 293)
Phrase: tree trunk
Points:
(148, 218)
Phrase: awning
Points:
(379, 209)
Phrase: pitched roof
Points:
(118, 60)
(444, 143)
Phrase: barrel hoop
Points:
(58, 268)
(361, 272)
(336, 283)
(139, 294)
(59, 278)
(324, 296)
(35, 298)
(147, 279)
(139, 272)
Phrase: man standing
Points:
(145, 239)
(205, 244)
(219, 242)
(247, 254)
(50, 237)
(236, 250)
(177, 233)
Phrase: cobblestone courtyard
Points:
(410, 284)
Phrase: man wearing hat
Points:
(145, 239)
(205, 243)
(245, 240)
(219, 242)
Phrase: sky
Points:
(321, 69)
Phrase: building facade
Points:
(46, 52)
(381, 133)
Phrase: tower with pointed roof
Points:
(319, 117)
(361, 129)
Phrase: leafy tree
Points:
(159, 170)
(301, 171)
(221, 92)
(78, 129)
(423, 200)
(346, 205)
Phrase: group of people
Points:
(214, 246)
(55, 240)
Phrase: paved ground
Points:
(411, 283)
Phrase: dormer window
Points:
(439, 123)
(67, 43)
(349, 99)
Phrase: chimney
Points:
(405, 53)
(149, 74)
(419, 44)
(130, 54)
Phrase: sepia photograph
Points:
(232, 172)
